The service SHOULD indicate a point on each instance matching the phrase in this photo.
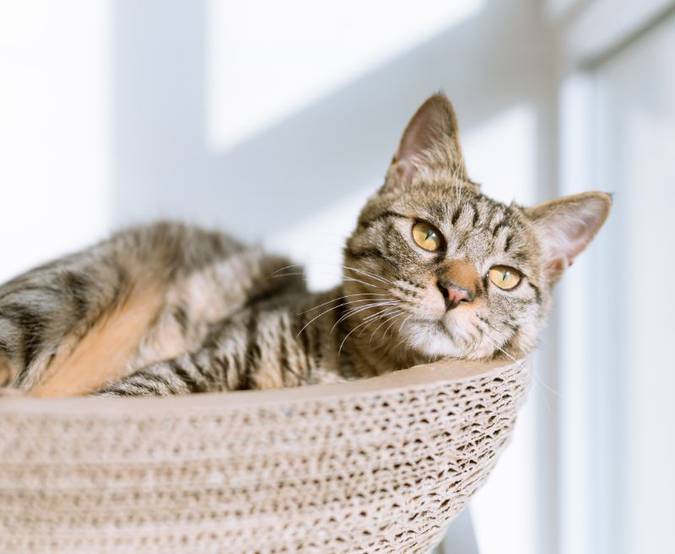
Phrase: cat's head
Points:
(437, 269)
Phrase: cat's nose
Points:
(458, 282)
(454, 295)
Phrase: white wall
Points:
(54, 128)
(636, 153)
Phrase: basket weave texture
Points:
(380, 465)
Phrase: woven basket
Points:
(379, 465)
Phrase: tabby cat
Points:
(434, 269)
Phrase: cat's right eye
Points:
(426, 237)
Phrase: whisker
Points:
(318, 316)
(355, 280)
(391, 324)
(400, 330)
(289, 274)
(350, 332)
(380, 313)
(391, 316)
(368, 274)
(347, 296)
(360, 309)
(494, 343)
(286, 267)
(343, 304)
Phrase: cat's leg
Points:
(89, 311)
(187, 373)
(223, 362)
(146, 294)
(255, 349)
(42, 309)
(219, 364)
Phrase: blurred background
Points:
(276, 120)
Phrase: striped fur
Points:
(171, 309)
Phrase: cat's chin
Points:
(433, 340)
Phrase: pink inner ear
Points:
(418, 138)
(405, 171)
(432, 128)
(567, 227)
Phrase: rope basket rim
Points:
(420, 376)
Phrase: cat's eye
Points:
(426, 237)
(505, 277)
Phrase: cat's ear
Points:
(431, 140)
(566, 226)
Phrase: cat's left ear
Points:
(431, 140)
(566, 226)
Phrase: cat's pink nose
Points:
(453, 294)
(458, 282)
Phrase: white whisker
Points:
(368, 274)
(347, 296)
(360, 309)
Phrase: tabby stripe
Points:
(286, 367)
(197, 365)
(537, 293)
(407, 292)
(474, 221)
(316, 344)
(507, 243)
(301, 330)
(181, 318)
(33, 326)
(339, 322)
(252, 355)
(78, 287)
(223, 366)
(503, 224)
(364, 253)
(283, 347)
(188, 380)
(130, 389)
(511, 325)
(413, 283)
(519, 256)
(122, 279)
(147, 377)
(382, 216)
(29, 288)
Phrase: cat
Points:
(434, 269)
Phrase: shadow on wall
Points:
(339, 144)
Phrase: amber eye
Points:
(505, 277)
(425, 236)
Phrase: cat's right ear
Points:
(431, 140)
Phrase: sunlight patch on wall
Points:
(268, 59)
(501, 155)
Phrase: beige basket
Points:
(379, 465)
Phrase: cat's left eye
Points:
(426, 237)
(505, 277)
